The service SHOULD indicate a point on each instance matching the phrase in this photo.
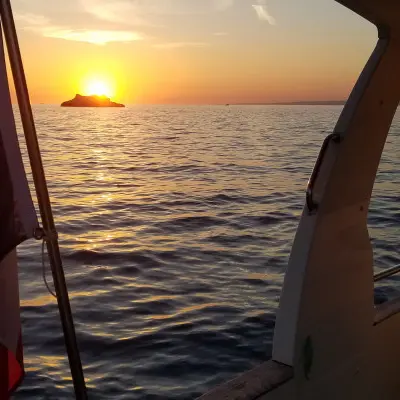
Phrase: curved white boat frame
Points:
(330, 341)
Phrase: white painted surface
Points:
(330, 268)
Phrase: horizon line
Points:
(300, 102)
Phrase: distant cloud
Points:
(41, 25)
(143, 12)
(119, 11)
(91, 36)
(32, 19)
(262, 12)
(104, 21)
(176, 45)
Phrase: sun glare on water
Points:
(98, 87)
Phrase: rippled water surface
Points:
(175, 227)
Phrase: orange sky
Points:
(214, 51)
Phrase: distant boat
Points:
(90, 101)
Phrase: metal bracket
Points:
(311, 205)
(38, 233)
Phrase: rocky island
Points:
(90, 101)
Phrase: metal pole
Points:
(43, 198)
(387, 273)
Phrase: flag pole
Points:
(43, 198)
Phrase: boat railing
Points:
(387, 273)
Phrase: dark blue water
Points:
(175, 226)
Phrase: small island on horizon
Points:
(90, 101)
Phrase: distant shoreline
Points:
(296, 103)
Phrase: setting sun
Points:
(98, 87)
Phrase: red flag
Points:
(18, 221)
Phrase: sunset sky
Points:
(192, 51)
